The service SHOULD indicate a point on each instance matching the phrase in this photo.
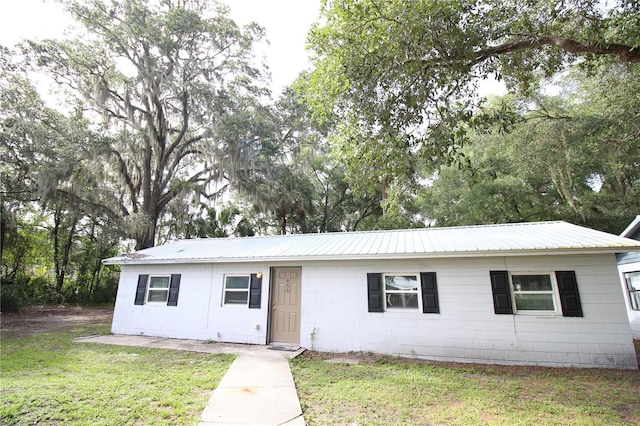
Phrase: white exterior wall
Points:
(335, 313)
(334, 304)
(634, 316)
(199, 314)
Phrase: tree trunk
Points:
(385, 207)
(282, 217)
(325, 210)
(3, 226)
(94, 274)
(147, 237)
(62, 259)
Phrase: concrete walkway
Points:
(258, 388)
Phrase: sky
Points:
(286, 23)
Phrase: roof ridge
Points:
(378, 231)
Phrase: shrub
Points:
(11, 296)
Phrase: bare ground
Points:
(32, 320)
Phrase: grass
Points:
(48, 379)
(385, 390)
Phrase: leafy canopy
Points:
(172, 87)
(404, 75)
(571, 156)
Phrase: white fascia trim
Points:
(453, 254)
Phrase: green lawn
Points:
(47, 379)
(385, 390)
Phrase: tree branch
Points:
(185, 123)
(623, 52)
(127, 178)
(170, 194)
(171, 170)
(78, 201)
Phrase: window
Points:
(391, 292)
(401, 291)
(236, 289)
(533, 292)
(540, 293)
(633, 286)
(158, 289)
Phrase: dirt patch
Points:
(369, 357)
(42, 319)
(343, 357)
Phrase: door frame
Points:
(272, 282)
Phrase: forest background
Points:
(163, 125)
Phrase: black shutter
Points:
(501, 292)
(174, 288)
(141, 291)
(429, 293)
(374, 292)
(255, 291)
(569, 297)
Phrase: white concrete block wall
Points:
(335, 316)
(634, 316)
(200, 313)
(334, 303)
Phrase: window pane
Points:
(401, 282)
(635, 300)
(532, 283)
(633, 285)
(237, 283)
(534, 302)
(158, 295)
(159, 282)
(633, 280)
(236, 297)
(402, 301)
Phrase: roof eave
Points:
(632, 228)
(441, 255)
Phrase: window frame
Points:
(417, 293)
(147, 298)
(634, 295)
(234, 290)
(554, 292)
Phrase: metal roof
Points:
(534, 238)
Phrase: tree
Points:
(162, 83)
(404, 74)
(572, 156)
(298, 184)
(280, 187)
(203, 221)
(43, 173)
(39, 147)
